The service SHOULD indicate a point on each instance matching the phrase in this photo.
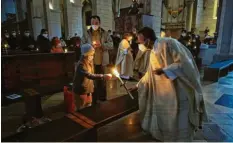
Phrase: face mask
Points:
(27, 34)
(45, 35)
(95, 27)
(183, 34)
(14, 34)
(90, 58)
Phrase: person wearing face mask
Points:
(83, 84)
(124, 59)
(170, 97)
(43, 41)
(98, 37)
(14, 41)
(56, 46)
(183, 38)
(146, 40)
(134, 43)
(27, 42)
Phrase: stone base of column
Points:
(222, 57)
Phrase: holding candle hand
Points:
(96, 44)
(107, 76)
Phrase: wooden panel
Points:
(36, 70)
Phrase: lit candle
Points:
(116, 73)
(66, 50)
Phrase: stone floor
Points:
(218, 99)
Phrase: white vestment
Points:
(171, 105)
(124, 59)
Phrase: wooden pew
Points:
(82, 125)
(217, 70)
(45, 72)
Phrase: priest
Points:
(171, 103)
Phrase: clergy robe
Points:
(124, 60)
(171, 105)
(142, 59)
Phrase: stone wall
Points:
(53, 18)
(38, 17)
(73, 18)
(225, 37)
(208, 16)
(156, 8)
(104, 10)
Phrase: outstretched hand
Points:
(133, 89)
(158, 71)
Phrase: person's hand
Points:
(107, 76)
(96, 44)
(158, 71)
(133, 89)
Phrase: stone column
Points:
(231, 47)
(37, 16)
(53, 18)
(73, 18)
(104, 11)
(156, 10)
(199, 15)
(225, 38)
(189, 15)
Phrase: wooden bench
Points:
(79, 126)
(217, 70)
(66, 129)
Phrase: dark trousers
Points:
(100, 88)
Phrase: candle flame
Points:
(116, 73)
(65, 50)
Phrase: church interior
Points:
(43, 48)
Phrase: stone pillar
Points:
(156, 10)
(73, 18)
(53, 21)
(189, 15)
(231, 47)
(104, 11)
(199, 15)
(37, 16)
(225, 38)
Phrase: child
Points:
(56, 46)
(83, 84)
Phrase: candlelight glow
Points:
(37, 49)
(94, 42)
(115, 72)
(66, 50)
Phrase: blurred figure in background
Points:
(27, 42)
(134, 43)
(56, 46)
(124, 60)
(63, 43)
(146, 38)
(43, 41)
(14, 41)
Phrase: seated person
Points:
(56, 46)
